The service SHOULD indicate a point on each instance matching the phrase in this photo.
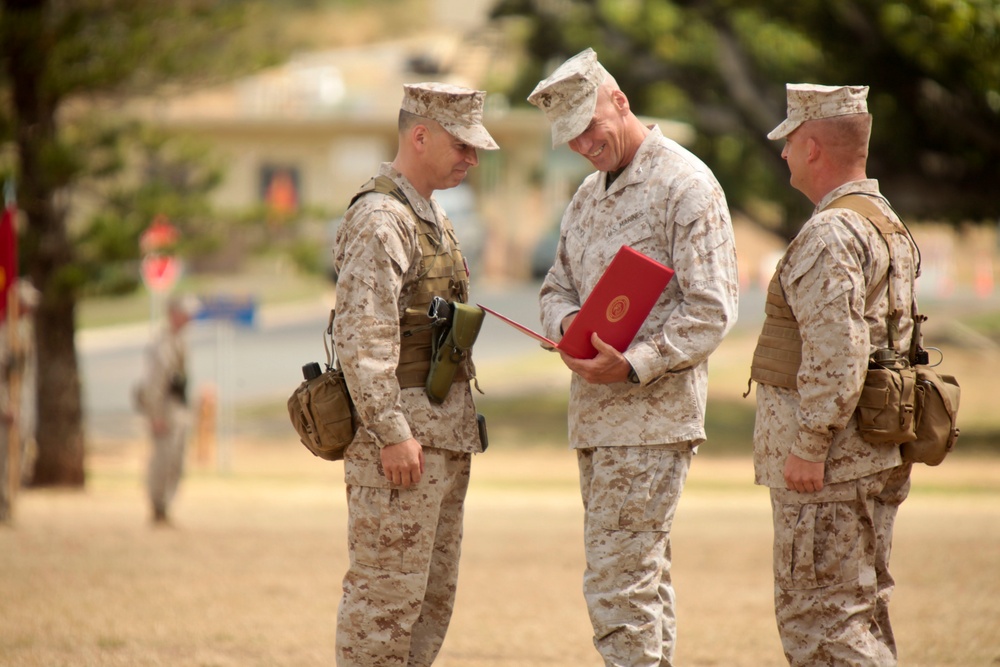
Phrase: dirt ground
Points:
(250, 573)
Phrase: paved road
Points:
(254, 365)
(260, 365)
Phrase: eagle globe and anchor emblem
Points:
(617, 308)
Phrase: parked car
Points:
(544, 253)
(463, 211)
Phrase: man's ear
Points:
(620, 101)
(419, 136)
(813, 149)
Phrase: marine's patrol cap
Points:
(458, 110)
(569, 95)
(27, 295)
(808, 101)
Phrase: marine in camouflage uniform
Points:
(407, 470)
(834, 496)
(163, 400)
(18, 358)
(636, 418)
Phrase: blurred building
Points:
(309, 132)
(312, 130)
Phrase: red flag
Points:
(8, 257)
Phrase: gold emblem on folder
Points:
(618, 308)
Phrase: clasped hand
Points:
(609, 366)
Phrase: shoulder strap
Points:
(328, 343)
(386, 186)
(864, 206)
(861, 203)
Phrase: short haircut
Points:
(845, 136)
(408, 120)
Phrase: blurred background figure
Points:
(161, 396)
(18, 401)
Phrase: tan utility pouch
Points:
(936, 417)
(887, 406)
(913, 406)
(321, 409)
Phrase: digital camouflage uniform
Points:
(166, 368)
(635, 441)
(404, 544)
(831, 547)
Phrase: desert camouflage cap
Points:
(459, 110)
(808, 101)
(27, 294)
(569, 95)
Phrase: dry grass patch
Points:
(250, 575)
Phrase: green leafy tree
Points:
(61, 61)
(721, 66)
(144, 173)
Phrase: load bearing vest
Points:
(778, 354)
(442, 274)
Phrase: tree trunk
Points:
(60, 431)
(47, 251)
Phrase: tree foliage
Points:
(64, 64)
(721, 66)
(137, 173)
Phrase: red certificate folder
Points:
(617, 307)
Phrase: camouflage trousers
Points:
(630, 495)
(166, 465)
(831, 570)
(404, 547)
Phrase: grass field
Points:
(250, 574)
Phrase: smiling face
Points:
(605, 142)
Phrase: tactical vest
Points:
(441, 274)
(778, 355)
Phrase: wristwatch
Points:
(633, 377)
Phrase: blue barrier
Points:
(240, 310)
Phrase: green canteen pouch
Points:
(451, 349)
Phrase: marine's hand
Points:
(403, 462)
(607, 367)
(803, 476)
